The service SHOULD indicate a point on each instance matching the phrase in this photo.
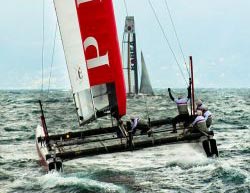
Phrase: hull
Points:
(47, 157)
(40, 149)
(73, 145)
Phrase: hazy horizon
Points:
(155, 89)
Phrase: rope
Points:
(165, 36)
(126, 8)
(179, 44)
(52, 59)
(43, 34)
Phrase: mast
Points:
(192, 84)
(134, 60)
(131, 67)
(128, 66)
(45, 130)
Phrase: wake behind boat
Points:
(91, 48)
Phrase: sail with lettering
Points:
(145, 86)
(130, 66)
(90, 42)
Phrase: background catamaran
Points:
(90, 43)
(131, 65)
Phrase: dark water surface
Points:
(170, 168)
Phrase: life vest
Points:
(182, 109)
(201, 125)
(182, 105)
(209, 122)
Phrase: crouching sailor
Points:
(199, 124)
(182, 106)
(209, 145)
(134, 122)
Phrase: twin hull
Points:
(74, 145)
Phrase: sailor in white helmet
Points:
(182, 105)
(207, 115)
(199, 105)
(200, 123)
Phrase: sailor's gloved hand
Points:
(169, 89)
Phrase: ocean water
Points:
(168, 168)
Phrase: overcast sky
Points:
(215, 33)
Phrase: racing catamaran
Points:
(130, 63)
(89, 36)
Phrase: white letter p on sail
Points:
(99, 60)
(84, 1)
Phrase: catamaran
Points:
(90, 42)
(130, 63)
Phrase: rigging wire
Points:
(123, 38)
(126, 8)
(165, 36)
(177, 38)
(43, 37)
(52, 59)
(146, 103)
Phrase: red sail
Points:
(101, 47)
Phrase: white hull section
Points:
(45, 153)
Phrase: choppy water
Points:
(170, 168)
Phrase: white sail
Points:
(73, 50)
(145, 87)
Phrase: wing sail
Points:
(90, 41)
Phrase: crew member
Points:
(134, 122)
(182, 106)
(200, 123)
(208, 116)
(199, 105)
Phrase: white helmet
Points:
(198, 102)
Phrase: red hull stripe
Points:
(101, 47)
(42, 160)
